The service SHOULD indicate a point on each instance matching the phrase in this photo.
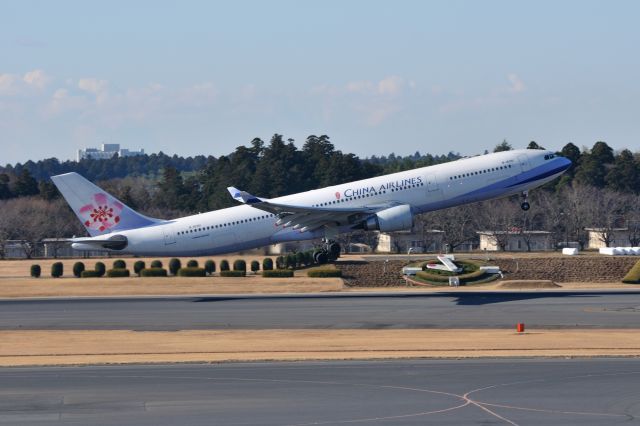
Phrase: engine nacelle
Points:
(392, 219)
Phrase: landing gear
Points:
(329, 252)
(525, 203)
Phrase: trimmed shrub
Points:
(267, 264)
(191, 272)
(633, 276)
(174, 265)
(100, 269)
(324, 273)
(277, 273)
(119, 264)
(299, 259)
(88, 273)
(156, 264)
(78, 267)
(239, 265)
(232, 273)
(209, 266)
(280, 262)
(255, 266)
(138, 266)
(224, 265)
(35, 271)
(118, 273)
(308, 257)
(290, 261)
(153, 272)
(57, 269)
(192, 263)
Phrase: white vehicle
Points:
(385, 203)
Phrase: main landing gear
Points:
(329, 252)
(525, 201)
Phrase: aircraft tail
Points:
(99, 211)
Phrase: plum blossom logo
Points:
(337, 195)
(101, 214)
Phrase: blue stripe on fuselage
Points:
(538, 173)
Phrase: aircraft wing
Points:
(306, 218)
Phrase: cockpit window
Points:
(549, 156)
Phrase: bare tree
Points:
(501, 218)
(457, 223)
(577, 206)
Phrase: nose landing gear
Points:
(525, 201)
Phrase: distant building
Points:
(616, 237)
(515, 240)
(107, 151)
(418, 241)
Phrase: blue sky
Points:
(378, 77)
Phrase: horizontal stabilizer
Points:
(243, 196)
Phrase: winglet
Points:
(243, 196)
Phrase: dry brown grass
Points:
(15, 281)
(96, 347)
(527, 284)
(20, 268)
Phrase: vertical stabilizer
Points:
(99, 211)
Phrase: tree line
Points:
(600, 182)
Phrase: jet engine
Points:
(392, 219)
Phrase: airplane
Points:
(385, 203)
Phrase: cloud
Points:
(36, 78)
(388, 86)
(92, 85)
(360, 87)
(391, 85)
(517, 85)
(7, 84)
(62, 101)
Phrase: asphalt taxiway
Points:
(580, 309)
(439, 392)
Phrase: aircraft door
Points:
(523, 160)
(432, 183)
(169, 235)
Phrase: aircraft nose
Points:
(565, 163)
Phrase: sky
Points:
(191, 77)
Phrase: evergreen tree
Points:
(25, 184)
(171, 189)
(624, 176)
(593, 166)
(534, 145)
(5, 192)
(503, 146)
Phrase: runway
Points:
(340, 311)
(510, 392)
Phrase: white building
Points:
(616, 237)
(427, 241)
(515, 240)
(107, 151)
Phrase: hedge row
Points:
(118, 273)
(192, 271)
(445, 278)
(153, 272)
(175, 265)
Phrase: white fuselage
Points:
(424, 189)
